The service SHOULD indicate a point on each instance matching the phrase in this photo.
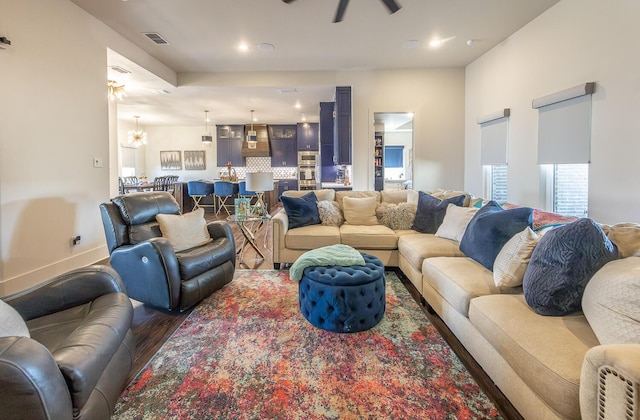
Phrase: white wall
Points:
(575, 41)
(54, 122)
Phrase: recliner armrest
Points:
(65, 291)
(31, 385)
(610, 382)
(220, 229)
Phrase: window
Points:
(571, 189)
(393, 156)
(495, 179)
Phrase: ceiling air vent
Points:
(120, 70)
(156, 37)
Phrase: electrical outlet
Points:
(98, 162)
(75, 240)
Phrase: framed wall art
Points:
(170, 160)
(194, 160)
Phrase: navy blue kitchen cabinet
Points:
(308, 137)
(229, 145)
(326, 142)
(284, 152)
(342, 126)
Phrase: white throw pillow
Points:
(184, 231)
(513, 258)
(455, 222)
(12, 324)
(360, 210)
(611, 302)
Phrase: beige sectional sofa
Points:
(547, 366)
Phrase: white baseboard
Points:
(32, 278)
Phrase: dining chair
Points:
(225, 190)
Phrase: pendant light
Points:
(137, 137)
(252, 136)
(207, 139)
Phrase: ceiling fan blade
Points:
(342, 7)
(392, 5)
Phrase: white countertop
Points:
(335, 185)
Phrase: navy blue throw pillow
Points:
(562, 264)
(302, 211)
(490, 228)
(431, 211)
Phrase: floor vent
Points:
(156, 37)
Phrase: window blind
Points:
(393, 156)
(564, 125)
(128, 157)
(494, 137)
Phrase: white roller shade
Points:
(564, 127)
(494, 138)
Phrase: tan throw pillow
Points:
(626, 236)
(360, 211)
(455, 222)
(12, 324)
(330, 213)
(513, 258)
(184, 231)
(396, 216)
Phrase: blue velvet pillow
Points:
(430, 212)
(302, 211)
(562, 264)
(490, 228)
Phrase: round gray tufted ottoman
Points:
(344, 299)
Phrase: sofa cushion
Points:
(198, 260)
(340, 195)
(430, 212)
(330, 214)
(513, 258)
(394, 196)
(459, 280)
(490, 228)
(368, 237)
(415, 248)
(396, 216)
(301, 211)
(626, 237)
(547, 352)
(562, 263)
(312, 236)
(184, 231)
(12, 324)
(324, 194)
(444, 194)
(611, 302)
(360, 210)
(455, 222)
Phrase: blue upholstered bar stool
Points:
(198, 190)
(225, 190)
(243, 193)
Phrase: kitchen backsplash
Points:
(264, 164)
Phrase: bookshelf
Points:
(378, 162)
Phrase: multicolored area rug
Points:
(246, 352)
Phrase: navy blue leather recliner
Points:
(151, 270)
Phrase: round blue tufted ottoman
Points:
(344, 299)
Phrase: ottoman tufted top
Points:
(348, 276)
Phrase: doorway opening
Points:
(393, 150)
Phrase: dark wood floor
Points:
(152, 327)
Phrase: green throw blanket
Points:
(329, 255)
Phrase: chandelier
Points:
(137, 137)
(115, 91)
(207, 139)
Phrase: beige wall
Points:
(575, 41)
(55, 120)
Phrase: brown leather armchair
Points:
(80, 351)
(151, 270)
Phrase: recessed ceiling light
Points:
(412, 43)
(265, 46)
(470, 41)
(298, 106)
(243, 47)
(435, 43)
